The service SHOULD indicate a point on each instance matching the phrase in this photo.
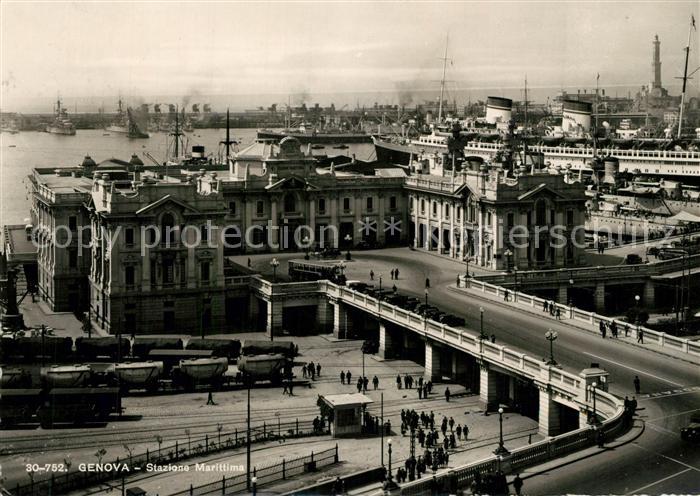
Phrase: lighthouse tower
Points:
(656, 64)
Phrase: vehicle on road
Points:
(691, 432)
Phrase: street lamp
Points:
(380, 283)
(551, 335)
(306, 247)
(389, 483)
(508, 254)
(341, 266)
(515, 283)
(255, 485)
(571, 286)
(466, 260)
(501, 450)
(348, 239)
(250, 481)
(426, 296)
(274, 264)
(594, 419)
(636, 299)
(482, 334)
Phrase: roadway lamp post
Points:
(466, 260)
(348, 240)
(551, 336)
(515, 283)
(571, 286)
(594, 419)
(306, 247)
(508, 254)
(274, 264)
(426, 296)
(389, 482)
(501, 450)
(482, 334)
(380, 284)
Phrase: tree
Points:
(455, 144)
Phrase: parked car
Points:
(691, 432)
(633, 259)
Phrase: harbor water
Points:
(21, 152)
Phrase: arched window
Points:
(167, 228)
(290, 203)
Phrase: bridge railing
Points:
(535, 304)
(465, 339)
(526, 456)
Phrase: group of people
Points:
(604, 327)
(311, 370)
(394, 274)
(362, 382)
(552, 308)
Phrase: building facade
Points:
(152, 252)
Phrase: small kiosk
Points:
(347, 413)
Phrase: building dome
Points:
(135, 160)
(88, 162)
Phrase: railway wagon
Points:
(141, 347)
(14, 377)
(17, 406)
(78, 405)
(49, 348)
(8, 349)
(102, 348)
(225, 348)
(268, 367)
(259, 347)
(171, 358)
(66, 376)
(190, 372)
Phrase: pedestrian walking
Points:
(359, 385)
(427, 283)
(365, 383)
(493, 338)
(506, 295)
(637, 384)
(394, 288)
(396, 272)
(627, 330)
(375, 382)
(420, 393)
(465, 431)
(348, 376)
(640, 336)
(342, 377)
(318, 370)
(451, 423)
(371, 275)
(545, 306)
(601, 327)
(210, 399)
(458, 430)
(303, 371)
(398, 381)
(518, 484)
(613, 329)
(558, 313)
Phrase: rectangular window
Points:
(129, 276)
(370, 203)
(392, 203)
(168, 320)
(434, 209)
(73, 258)
(260, 208)
(447, 211)
(551, 216)
(321, 205)
(510, 219)
(168, 272)
(569, 217)
(153, 273)
(346, 204)
(129, 236)
(422, 206)
(232, 207)
(205, 271)
(72, 223)
(205, 233)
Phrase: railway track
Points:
(146, 434)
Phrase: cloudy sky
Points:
(177, 48)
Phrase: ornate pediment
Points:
(291, 183)
(539, 191)
(165, 202)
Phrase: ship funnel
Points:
(498, 109)
(576, 116)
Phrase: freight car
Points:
(34, 349)
(224, 348)
(89, 349)
(14, 377)
(188, 373)
(270, 367)
(59, 405)
(141, 347)
(259, 347)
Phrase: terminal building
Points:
(133, 232)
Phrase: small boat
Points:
(341, 147)
(318, 147)
(12, 146)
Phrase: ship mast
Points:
(685, 74)
(526, 102)
(442, 81)
(595, 122)
(228, 142)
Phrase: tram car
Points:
(316, 271)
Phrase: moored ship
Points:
(61, 123)
(125, 123)
(315, 136)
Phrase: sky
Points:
(310, 49)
